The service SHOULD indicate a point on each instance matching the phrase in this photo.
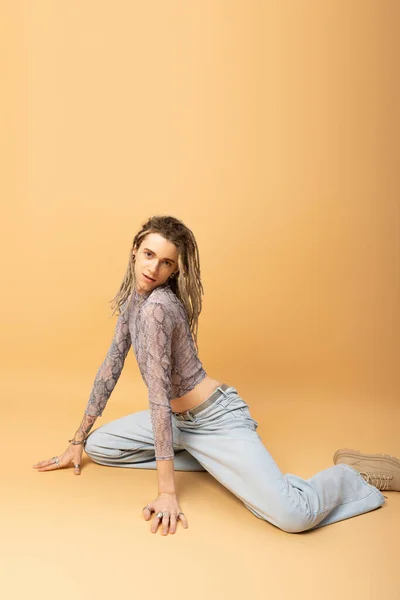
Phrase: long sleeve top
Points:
(156, 325)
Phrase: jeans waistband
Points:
(188, 414)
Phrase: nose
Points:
(153, 268)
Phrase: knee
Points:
(294, 522)
(290, 519)
(94, 446)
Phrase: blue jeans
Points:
(222, 439)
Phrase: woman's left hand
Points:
(168, 505)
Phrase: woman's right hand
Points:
(72, 455)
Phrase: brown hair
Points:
(186, 284)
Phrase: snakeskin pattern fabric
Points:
(156, 325)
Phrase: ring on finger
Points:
(160, 515)
(56, 461)
(165, 513)
(77, 466)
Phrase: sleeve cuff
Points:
(165, 457)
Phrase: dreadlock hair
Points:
(186, 284)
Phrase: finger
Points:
(184, 520)
(43, 463)
(77, 469)
(172, 528)
(147, 512)
(50, 467)
(55, 463)
(165, 523)
(155, 523)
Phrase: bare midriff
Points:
(196, 396)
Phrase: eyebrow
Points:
(170, 259)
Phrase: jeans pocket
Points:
(243, 413)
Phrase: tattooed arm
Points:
(107, 375)
(84, 428)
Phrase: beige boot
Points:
(380, 470)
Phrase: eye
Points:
(147, 253)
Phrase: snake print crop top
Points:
(156, 325)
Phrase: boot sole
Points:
(350, 453)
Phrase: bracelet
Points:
(76, 443)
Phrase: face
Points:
(157, 258)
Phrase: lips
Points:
(148, 278)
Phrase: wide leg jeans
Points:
(222, 439)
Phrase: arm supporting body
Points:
(107, 376)
(158, 327)
(166, 476)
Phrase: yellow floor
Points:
(84, 537)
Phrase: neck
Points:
(144, 293)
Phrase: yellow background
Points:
(271, 129)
